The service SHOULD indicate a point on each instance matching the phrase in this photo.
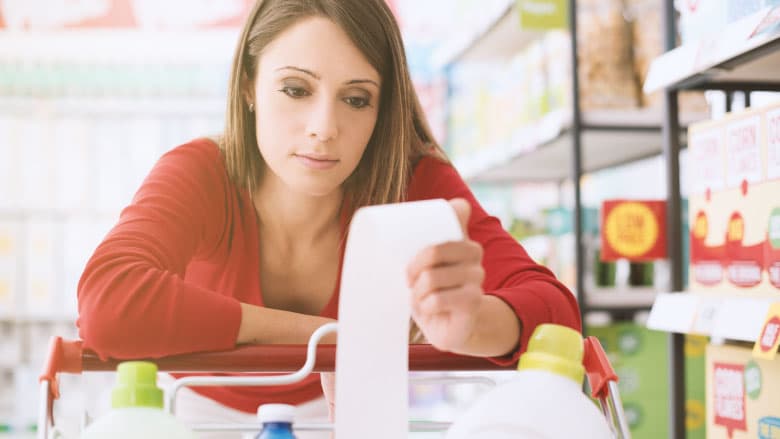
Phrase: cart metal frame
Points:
(70, 357)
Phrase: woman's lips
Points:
(316, 162)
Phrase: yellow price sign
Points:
(631, 229)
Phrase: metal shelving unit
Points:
(542, 152)
(498, 37)
(745, 56)
(564, 144)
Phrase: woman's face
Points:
(316, 103)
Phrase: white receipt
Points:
(372, 359)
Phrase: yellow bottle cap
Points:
(136, 386)
(557, 349)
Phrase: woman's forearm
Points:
(272, 326)
(497, 330)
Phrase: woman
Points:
(239, 240)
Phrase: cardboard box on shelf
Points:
(10, 151)
(9, 265)
(637, 355)
(109, 164)
(81, 236)
(741, 397)
(41, 268)
(10, 344)
(605, 56)
(37, 185)
(695, 405)
(734, 208)
(72, 158)
(645, 20)
(772, 243)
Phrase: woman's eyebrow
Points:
(298, 69)
(316, 76)
(362, 81)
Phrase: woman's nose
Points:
(323, 123)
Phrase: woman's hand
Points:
(446, 282)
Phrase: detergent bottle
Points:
(543, 401)
(277, 420)
(137, 408)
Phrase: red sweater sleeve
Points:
(530, 289)
(133, 299)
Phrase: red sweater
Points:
(169, 277)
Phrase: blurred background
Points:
(92, 92)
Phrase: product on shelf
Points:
(695, 405)
(637, 355)
(648, 44)
(10, 247)
(607, 78)
(734, 206)
(742, 394)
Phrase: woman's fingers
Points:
(448, 253)
(447, 277)
(450, 300)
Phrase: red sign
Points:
(634, 230)
(744, 263)
(729, 396)
(768, 338)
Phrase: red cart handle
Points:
(598, 368)
(70, 357)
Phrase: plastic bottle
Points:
(137, 408)
(543, 401)
(277, 420)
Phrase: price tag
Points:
(705, 316)
(769, 338)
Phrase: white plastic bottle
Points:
(277, 421)
(545, 399)
(137, 408)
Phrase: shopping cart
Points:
(70, 357)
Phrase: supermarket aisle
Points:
(81, 123)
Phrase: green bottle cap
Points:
(557, 349)
(136, 386)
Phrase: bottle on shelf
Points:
(277, 421)
(544, 400)
(137, 408)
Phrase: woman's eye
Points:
(357, 102)
(295, 92)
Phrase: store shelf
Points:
(719, 315)
(498, 37)
(744, 54)
(114, 45)
(629, 298)
(153, 106)
(38, 318)
(18, 214)
(542, 151)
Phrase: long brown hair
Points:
(401, 135)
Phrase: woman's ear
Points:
(247, 91)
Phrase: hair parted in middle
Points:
(401, 135)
